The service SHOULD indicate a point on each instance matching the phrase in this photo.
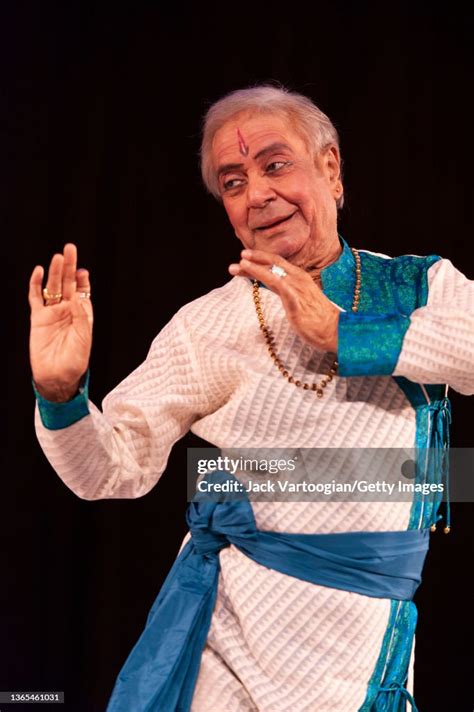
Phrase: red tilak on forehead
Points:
(244, 149)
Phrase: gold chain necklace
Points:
(317, 387)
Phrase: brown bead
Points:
(286, 374)
(319, 393)
(305, 386)
(290, 379)
(297, 384)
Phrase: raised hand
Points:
(313, 316)
(61, 332)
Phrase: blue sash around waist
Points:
(160, 673)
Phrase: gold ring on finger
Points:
(50, 297)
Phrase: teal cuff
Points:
(370, 344)
(56, 416)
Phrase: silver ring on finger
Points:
(84, 295)
(279, 271)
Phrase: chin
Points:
(287, 247)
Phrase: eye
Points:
(276, 166)
(231, 183)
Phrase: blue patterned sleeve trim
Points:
(370, 344)
(56, 416)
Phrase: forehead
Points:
(257, 131)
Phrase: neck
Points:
(330, 252)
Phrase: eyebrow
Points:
(277, 146)
(228, 167)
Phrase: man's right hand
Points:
(61, 334)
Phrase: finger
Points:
(237, 271)
(83, 286)
(263, 274)
(268, 258)
(69, 271)
(82, 280)
(35, 294)
(82, 309)
(55, 274)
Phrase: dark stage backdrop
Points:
(100, 115)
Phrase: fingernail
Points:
(246, 253)
(234, 269)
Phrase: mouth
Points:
(275, 223)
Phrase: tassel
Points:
(439, 449)
(400, 694)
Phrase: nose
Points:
(259, 191)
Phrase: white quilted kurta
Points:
(276, 643)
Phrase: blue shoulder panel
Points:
(370, 340)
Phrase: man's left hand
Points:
(313, 316)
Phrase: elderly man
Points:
(311, 342)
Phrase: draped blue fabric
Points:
(161, 671)
(439, 444)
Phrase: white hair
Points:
(314, 127)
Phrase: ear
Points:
(331, 166)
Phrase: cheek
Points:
(317, 204)
(236, 215)
(306, 207)
(301, 193)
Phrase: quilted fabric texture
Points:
(276, 643)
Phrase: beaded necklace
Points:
(319, 387)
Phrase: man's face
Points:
(278, 196)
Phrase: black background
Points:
(100, 114)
